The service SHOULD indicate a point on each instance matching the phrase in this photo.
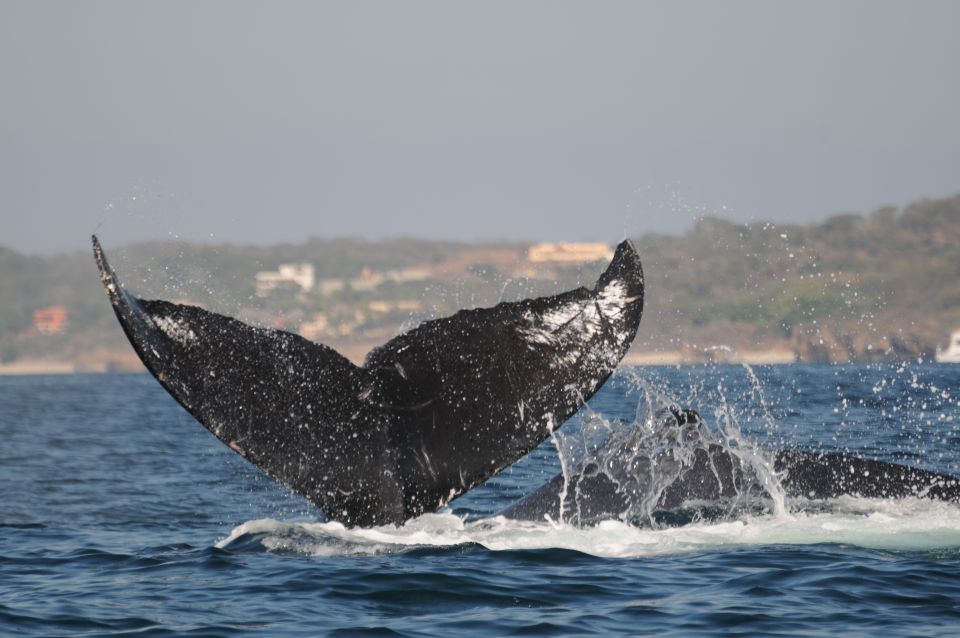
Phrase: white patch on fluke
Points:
(176, 329)
(582, 320)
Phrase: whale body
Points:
(642, 474)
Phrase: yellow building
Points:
(569, 253)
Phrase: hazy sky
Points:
(269, 121)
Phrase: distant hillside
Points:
(853, 287)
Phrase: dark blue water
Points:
(121, 515)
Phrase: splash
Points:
(759, 461)
(599, 444)
(907, 524)
(635, 471)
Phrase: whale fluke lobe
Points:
(430, 414)
(285, 404)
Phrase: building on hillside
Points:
(329, 286)
(315, 328)
(286, 274)
(403, 275)
(366, 281)
(51, 320)
(402, 305)
(952, 353)
(569, 253)
(369, 280)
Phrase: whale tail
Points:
(429, 415)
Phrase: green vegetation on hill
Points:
(890, 280)
(881, 285)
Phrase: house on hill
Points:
(569, 253)
(286, 274)
(51, 320)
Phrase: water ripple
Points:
(121, 516)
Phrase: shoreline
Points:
(129, 363)
(676, 357)
(91, 363)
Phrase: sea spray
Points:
(647, 459)
(886, 524)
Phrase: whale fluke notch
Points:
(430, 414)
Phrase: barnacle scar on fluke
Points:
(430, 414)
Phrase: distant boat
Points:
(952, 353)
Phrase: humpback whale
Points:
(443, 407)
(643, 474)
(429, 415)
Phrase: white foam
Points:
(907, 524)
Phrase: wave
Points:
(903, 524)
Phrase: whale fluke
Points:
(430, 414)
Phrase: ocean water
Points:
(120, 515)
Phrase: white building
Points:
(298, 274)
(952, 353)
